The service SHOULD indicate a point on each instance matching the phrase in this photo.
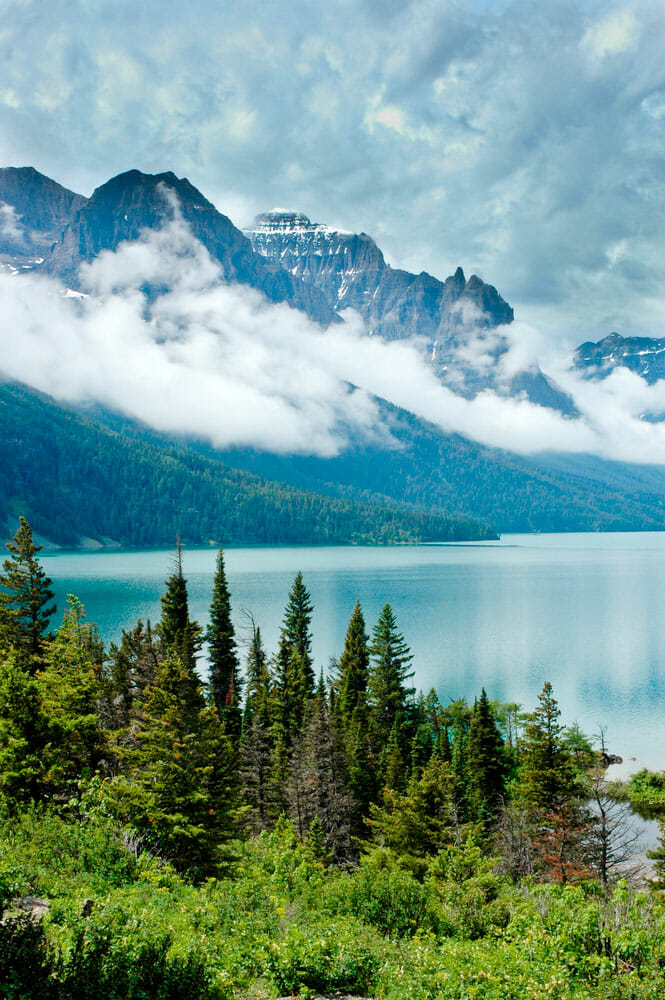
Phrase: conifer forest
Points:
(189, 814)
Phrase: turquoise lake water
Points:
(584, 611)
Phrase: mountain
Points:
(426, 469)
(456, 320)
(429, 469)
(132, 202)
(643, 355)
(34, 211)
(79, 482)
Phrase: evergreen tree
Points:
(25, 599)
(259, 683)
(353, 667)
(71, 689)
(546, 775)
(131, 668)
(220, 636)
(486, 764)
(388, 697)
(181, 786)
(422, 820)
(257, 745)
(294, 682)
(23, 735)
(178, 633)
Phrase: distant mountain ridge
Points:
(446, 316)
(645, 356)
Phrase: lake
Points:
(584, 611)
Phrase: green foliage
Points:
(177, 631)
(389, 699)
(325, 956)
(421, 821)
(547, 775)
(70, 689)
(381, 893)
(180, 789)
(224, 680)
(486, 763)
(101, 481)
(351, 683)
(25, 598)
(23, 734)
(294, 680)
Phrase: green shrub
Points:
(329, 955)
(382, 894)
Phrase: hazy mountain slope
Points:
(75, 479)
(455, 320)
(430, 470)
(34, 211)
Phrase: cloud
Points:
(9, 221)
(520, 140)
(219, 362)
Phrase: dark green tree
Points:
(176, 630)
(389, 699)
(180, 786)
(294, 681)
(224, 682)
(546, 774)
(353, 668)
(23, 735)
(486, 763)
(26, 597)
(420, 821)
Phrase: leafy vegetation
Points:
(345, 834)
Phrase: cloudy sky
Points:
(521, 140)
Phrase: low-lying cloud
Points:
(218, 362)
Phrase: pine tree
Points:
(177, 632)
(294, 682)
(389, 699)
(23, 735)
(131, 668)
(181, 786)
(353, 669)
(257, 744)
(25, 599)
(486, 763)
(71, 689)
(220, 636)
(422, 820)
(546, 774)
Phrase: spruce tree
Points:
(389, 699)
(294, 682)
(181, 785)
(353, 668)
(25, 599)
(546, 775)
(486, 762)
(71, 690)
(177, 632)
(220, 635)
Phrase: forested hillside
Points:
(76, 479)
(289, 832)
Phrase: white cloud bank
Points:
(219, 362)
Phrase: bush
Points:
(381, 894)
(334, 955)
